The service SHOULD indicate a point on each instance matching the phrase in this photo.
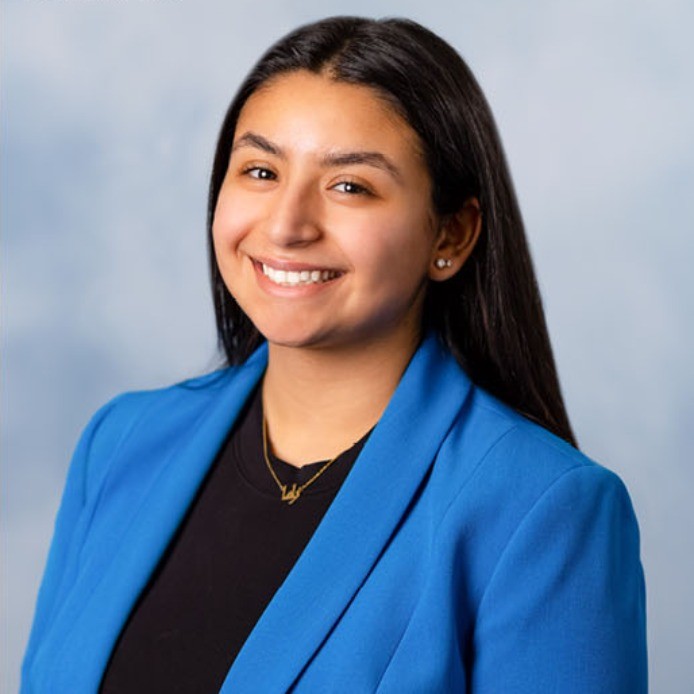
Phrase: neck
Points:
(318, 402)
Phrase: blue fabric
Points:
(468, 550)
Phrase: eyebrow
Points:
(375, 159)
(251, 139)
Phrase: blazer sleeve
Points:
(96, 446)
(564, 610)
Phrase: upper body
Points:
(467, 550)
(362, 224)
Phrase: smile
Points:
(296, 278)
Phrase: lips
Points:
(298, 277)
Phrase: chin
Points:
(292, 336)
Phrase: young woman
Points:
(381, 492)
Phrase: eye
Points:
(351, 188)
(260, 173)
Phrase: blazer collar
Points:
(358, 524)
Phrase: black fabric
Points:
(234, 549)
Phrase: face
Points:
(323, 229)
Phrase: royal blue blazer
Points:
(468, 550)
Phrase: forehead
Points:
(313, 110)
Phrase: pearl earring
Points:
(442, 263)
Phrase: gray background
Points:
(110, 109)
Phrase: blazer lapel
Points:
(104, 593)
(356, 527)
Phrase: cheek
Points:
(396, 249)
(228, 225)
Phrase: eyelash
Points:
(260, 173)
(255, 171)
(357, 188)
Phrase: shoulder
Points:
(146, 425)
(509, 436)
(503, 460)
(143, 421)
(178, 401)
(524, 507)
(121, 412)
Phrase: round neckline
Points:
(247, 445)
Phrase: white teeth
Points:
(292, 278)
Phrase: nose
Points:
(294, 216)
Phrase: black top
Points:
(231, 553)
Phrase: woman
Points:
(377, 307)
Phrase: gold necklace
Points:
(292, 494)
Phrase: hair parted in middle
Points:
(490, 313)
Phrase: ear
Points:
(455, 241)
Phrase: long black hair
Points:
(490, 313)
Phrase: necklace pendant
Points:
(290, 495)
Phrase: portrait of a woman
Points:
(381, 491)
